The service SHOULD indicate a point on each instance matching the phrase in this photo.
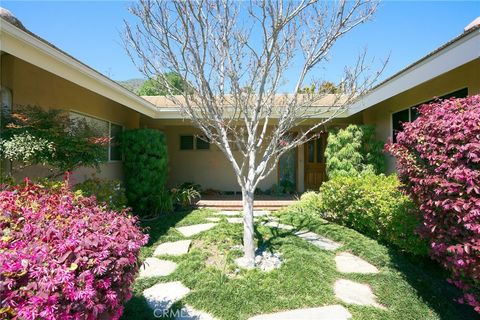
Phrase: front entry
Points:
(315, 171)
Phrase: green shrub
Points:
(146, 171)
(310, 201)
(184, 195)
(354, 151)
(374, 206)
(109, 192)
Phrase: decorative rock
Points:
(195, 229)
(161, 296)
(243, 263)
(176, 248)
(355, 293)
(235, 220)
(189, 313)
(229, 213)
(213, 219)
(319, 241)
(153, 267)
(333, 312)
(349, 263)
(264, 260)
(275, 224)
(267, 261)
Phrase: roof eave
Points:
(38, 52)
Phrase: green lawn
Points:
(409, 288)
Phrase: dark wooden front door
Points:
(315, 172)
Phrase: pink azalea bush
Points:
(64, 257)
(438, 160)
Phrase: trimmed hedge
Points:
(64, 257)
(145, 167)
(438, 160)
(374, 206)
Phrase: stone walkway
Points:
(162, 296)
(189, 231)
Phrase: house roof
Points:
(453, 54)
(322, 106)
(19, 42)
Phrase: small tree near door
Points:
(238, 58)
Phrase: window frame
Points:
(419, 104)
(109, 131)
(195, 137)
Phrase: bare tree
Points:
(237, 56)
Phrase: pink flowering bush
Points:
(438, 160)
(64, 257)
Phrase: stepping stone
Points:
(153, 267)
(262, 213)
(333, 312)
(275, 224)
(235, 220)
(228, 213)
(161, 296)
(349, 263)
(189, 313)
(355, 293)
(319, 241)
(213, 219)
(176, 248)
(195, 229)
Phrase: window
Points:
(186, 142)
(202, 143)
(190, 142)
(115, 148)
(6, 107)
(103, 128)
(411, 114)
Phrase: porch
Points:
(234, 202)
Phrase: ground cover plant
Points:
(438, 160)
(410, 289)
(64, 257)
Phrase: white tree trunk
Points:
(248, 228)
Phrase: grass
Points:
(409, 288)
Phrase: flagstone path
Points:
(348, 263)
(162, 296)
(153, 267)
(333, 312)
(189, 231)
(176, 248)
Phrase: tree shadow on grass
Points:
(429, 280)
(160, 226)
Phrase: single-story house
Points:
(35, 72)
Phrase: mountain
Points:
(132, 84)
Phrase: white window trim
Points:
(109, 130)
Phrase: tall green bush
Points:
(374, 206)
(353, 151)
(146, 171)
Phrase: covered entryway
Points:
(315, 167)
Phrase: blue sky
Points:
(90, 31)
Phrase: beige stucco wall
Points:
(31, 85)
(209, 168)
(467, 75)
